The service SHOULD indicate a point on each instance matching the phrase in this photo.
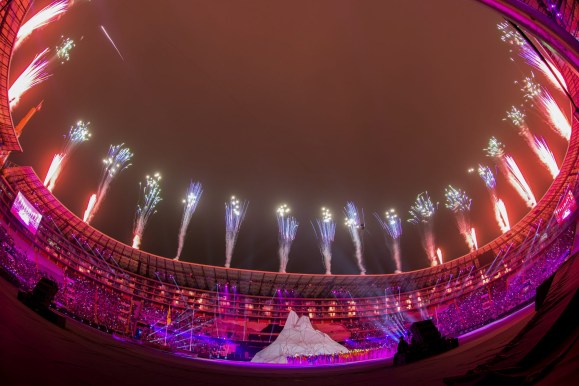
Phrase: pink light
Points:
(26, 213)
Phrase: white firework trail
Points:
(518, 181)
(355, 224)
(439, 255)
(77, 134)
(547, 106)
(112, 42)
(89, 208)
(392, 226)
(422, 215)
(151, 197)
(325, 232)
(546, 156)
(287, 227)
(539, 147)
(234, 214)
(501, 215)
(33, 75)
(191, 201)
(118, 159)
(459, 204)
(43, 17)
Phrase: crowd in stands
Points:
(115, 301)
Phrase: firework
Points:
(518, 181)
(439, 255)
(355, 225)
(547, 106)
(546, 156)
(459, 204)
(151, 197)
(33, 75)
(63, 50)
(54, 166)
(473, 237)
(501, 215)
(510, 36)
(117, 160)
(89, 208)
(488, 177)
(191, 201)
(43, 17)
(112, 42)
(77, 134)
(326, 229)
(498, 206)
(422, 215)
(392, 226)
(539, 147)
(510, 170)
(287, 227)
(234, 214)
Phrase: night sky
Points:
(309, 103)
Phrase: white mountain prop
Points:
(298, 337)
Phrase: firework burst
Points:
(488, 177)
(63, 50)
(326, 230)
(191, 201)
(77, 134)
(422, 215)
(33, 75)
(234, 214)
(355, 224)
(43, 17)
(392, 226)
(117, 160)
(287, 227)
(151, 197)
(459, 204)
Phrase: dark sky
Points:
(308, 103)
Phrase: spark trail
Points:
(287, 227)
(151, 197)
(392, 226)
(33, 75)
(539, 147)
(112, 42)
(118, 159)
(355, 224)
(547, 106)
(234, 214)
(77, 134)
(43, 17)
(459, 204)
(325, 232)
(498, 206)
(510, 170)
(422, 215)
(191, 201)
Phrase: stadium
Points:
(196, 311)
